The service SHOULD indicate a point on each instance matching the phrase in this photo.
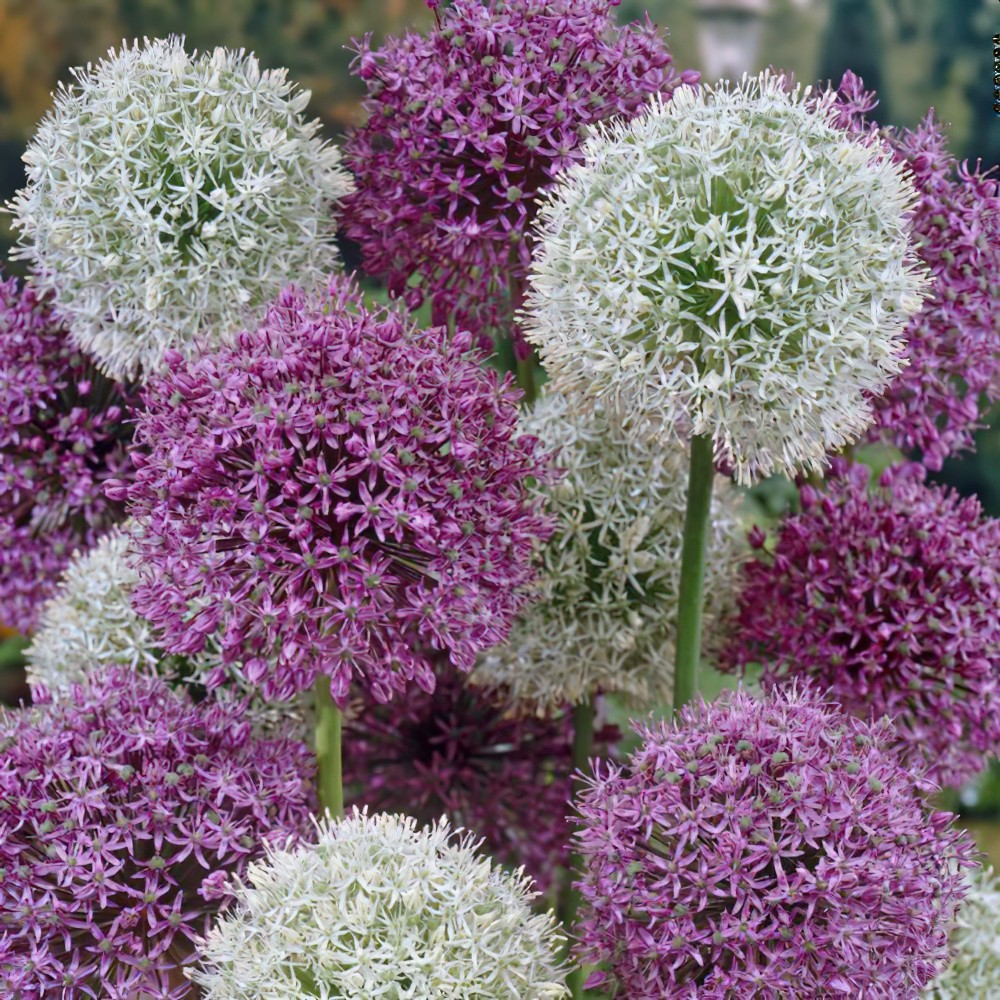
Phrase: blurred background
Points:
(917, 53)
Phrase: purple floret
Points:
(121, 809)
(935, 405)
(466, 752)
(887, 598)
(771, 849)
(63, 434)
(336, 493)
(467, 124)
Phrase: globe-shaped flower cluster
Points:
(974, 968)
(171, 196)
(64, 432)
(732, 261)
(953, 343)
(336, 493)
(888, 598)
(116, 805)
(467, 124)
(89, 624)
(468, 753)
(604, 618)
(380, 908)
(768, 848)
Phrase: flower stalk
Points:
(525, 373)
(693, 547)
(329, 765)
(583, 743)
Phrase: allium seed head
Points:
(974, 969)
(117, 805)
(467, 124)
(171, 196)
(378, 907)
(64, 432)
(953, 343)
(771, 849)
(466, 752)
(606, 608)
(887, 597)
(336, 493)
(732, 262)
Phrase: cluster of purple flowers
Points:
(64, 432)
(335, 493)
(467, 124)
(469, 753)
(887, 598)
(341, 496)
(121, 808)
(766, 848)
(953, 343)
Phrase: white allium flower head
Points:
(605, 618)
(974, 971)
(380, 908)
(171, 196)
(732, 261)
(89, 623)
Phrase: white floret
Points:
(974, 970)
(733, 263)
(171, 196)
(605, 615)
(380, 908)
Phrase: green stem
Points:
(689, 608)
(524, 371)
(583, 746)
(525, 374)
(328, 753)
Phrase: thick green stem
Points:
(583, 746)
(328, 760)
(691, 598)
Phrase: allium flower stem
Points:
(524, 367)
(328, 750)
(690, 600)
(583, 745)
(525, 375)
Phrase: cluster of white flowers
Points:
(90, 623)
(974, 971)
(605, 618)
(171, 196)
(735, 263)
(379, 908)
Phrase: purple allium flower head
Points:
(63, 432)
(770, 849)
(888, 598)
(467, 124)
(335, 493)
(115, 804)
(934, 405)
(465, 752)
